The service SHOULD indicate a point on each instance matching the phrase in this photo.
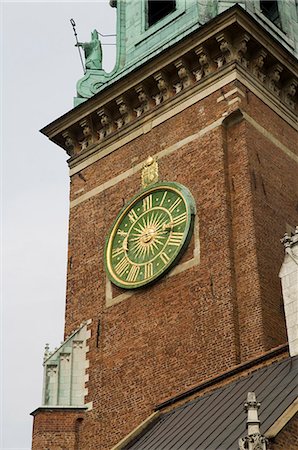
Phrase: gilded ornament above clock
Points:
(149, 235)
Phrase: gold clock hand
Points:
(125, 244)
(167, 226)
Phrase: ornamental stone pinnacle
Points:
(289, 282)
(46, 352)
(149, 172)
(254, 440)
(290, 241)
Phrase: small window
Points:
(158, 9)
(270, 9)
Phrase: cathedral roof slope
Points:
(217, 420)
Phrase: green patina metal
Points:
(93, 52)
(137, 42)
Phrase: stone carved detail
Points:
(106, 122)
(184, 75)
(258, 63)
(77, 344)
(290, 242)
(144, 100)
(289, 91)
(163, 86)
(226, 49)
(274, 77)
(234, 47)
(69, 142)
(87, 133)
(47, 352)
(286, 240)
(125, 112)
(51, 370)
(253, 442)
(65, 357)
(241, 49)
(206, 64)
(149, 172)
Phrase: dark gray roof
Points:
(217, 420)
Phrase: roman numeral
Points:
(122, 266)
(164, 257)
(163, 198)
(132, 215)
(148, 270)
(147, 202)
(175, 238)
(133, 273)
(175, 204)
(121, 233)
(179, 219)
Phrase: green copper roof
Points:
(138, 40)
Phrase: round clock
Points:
(149, 235)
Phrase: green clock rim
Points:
(191, 209)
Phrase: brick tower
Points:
(202, 109)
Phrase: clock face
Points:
(149, 235)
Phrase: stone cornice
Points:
(231, 40)
(60, 409)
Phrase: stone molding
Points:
(240, 44)
(282, 420)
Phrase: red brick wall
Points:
(57, 430)
(187, 328)
(275, 204)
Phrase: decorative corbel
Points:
(257, 65)
(184, 75)
(289, 92)
(87, 133)
(241, 49)
(106, 123)
(125, 112)
(70, 142)
(206, 64)
(273, 77)
(144, 100)
(163, 86)
(226, 49)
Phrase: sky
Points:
(39, 70)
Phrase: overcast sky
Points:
(40, 68)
